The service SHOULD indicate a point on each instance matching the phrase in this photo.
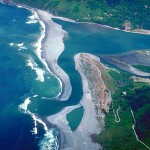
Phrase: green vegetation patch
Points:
(142, 68)
(110, 12)
(118, 134)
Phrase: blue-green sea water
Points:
(23, 76)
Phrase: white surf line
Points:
(55, 36)
(39, 46)
(34, 66)
(49, 139)
(133, 127)
(39, 41)
(43, 34)
(24, 107)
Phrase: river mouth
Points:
(90, 38)
(26, 80)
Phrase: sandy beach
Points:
(93, 118)
(52, 47)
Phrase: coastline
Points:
(53, 46)
(136, 31)
(65, 84)
(49, 30)
(92, 122)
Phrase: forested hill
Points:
(115, 13)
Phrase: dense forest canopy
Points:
(110, 12)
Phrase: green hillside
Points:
(114, 13)
(118, 133)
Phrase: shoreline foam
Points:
(53, 46)
(45, 20)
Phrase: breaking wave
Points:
(50, 141)
(32, 19)
(20, 46)
(39, 72)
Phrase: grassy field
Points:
(114, 13)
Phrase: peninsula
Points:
(116, 88)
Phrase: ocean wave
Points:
(11, 44)
(35, 95)
(32, 19)
(50, 141)
(56, 36)
(36, 121)
(20, 46)
(38, 46)
(39, 72)
(24, 107)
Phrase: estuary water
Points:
(26, 79)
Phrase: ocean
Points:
(22, 75)
(27, 86)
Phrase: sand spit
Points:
(99, 92)
(139, 79)
(126, 61)
(140, 31)
(66, 135)
(94, 100)
(138, 72)
(53, 46)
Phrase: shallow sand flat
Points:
(90, 123)
(66, 135)
(53, 46)
(138, 72)
(126, 60)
